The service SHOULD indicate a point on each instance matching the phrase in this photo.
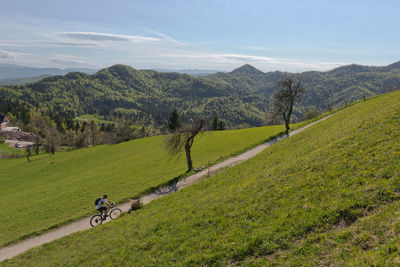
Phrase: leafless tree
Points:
(290, 90)
(184, 138)
(51, 137)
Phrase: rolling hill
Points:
(327, 196)
(62, 187)
(241, 97)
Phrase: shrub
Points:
(311, 114)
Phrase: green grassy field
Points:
(96, 118)
(52, 190)
(327, 196)
(5, 149)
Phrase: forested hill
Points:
(240, 97)
(346, 83)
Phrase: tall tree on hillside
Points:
(184, 139)
(37, 126)
(93, 132)
(51, 136)
(290, 90)
(125, 131)
(174, 122)
(217, 124)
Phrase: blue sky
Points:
(208, 34)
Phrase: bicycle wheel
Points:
(96, 220)
(115, 213)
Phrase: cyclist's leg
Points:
(103, 211)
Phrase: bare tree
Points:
(38, 125)
(290, 90)
(51, 137)
(184, 139)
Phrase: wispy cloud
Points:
(264, 63)
(150, 49)
(11, 54)
(79, 39)
(68, 60)
(45, 44)
(164, 36)
(104, 37)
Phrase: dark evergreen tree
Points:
(174, 122)
(217, 124)
(214, 124)
(221, 125)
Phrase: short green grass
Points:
(329, 195)
(96, 118)
(6, 149)
(52, 190)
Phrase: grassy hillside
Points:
(51, 190)
(5, 149)
(327, 196)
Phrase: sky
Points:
(283, 35)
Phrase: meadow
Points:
(327, 196)
(96, 118)
(7, 150)
(52, 190)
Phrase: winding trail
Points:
(83, 224)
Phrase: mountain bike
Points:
(112, 213)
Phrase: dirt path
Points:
(83, 224)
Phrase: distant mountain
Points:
(342, 84)
(194, 72)
(240, 97)
(21, 81)
(10, 71)
(246, 69)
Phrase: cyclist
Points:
(102, 205)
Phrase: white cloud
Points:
(44, 44)
(49, 48)
(79, 39)
(104, 37)
(164, 36)
(72, 61)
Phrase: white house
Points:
(16, 129)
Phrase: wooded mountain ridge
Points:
(240, 97)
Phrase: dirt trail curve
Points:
(83, 224)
